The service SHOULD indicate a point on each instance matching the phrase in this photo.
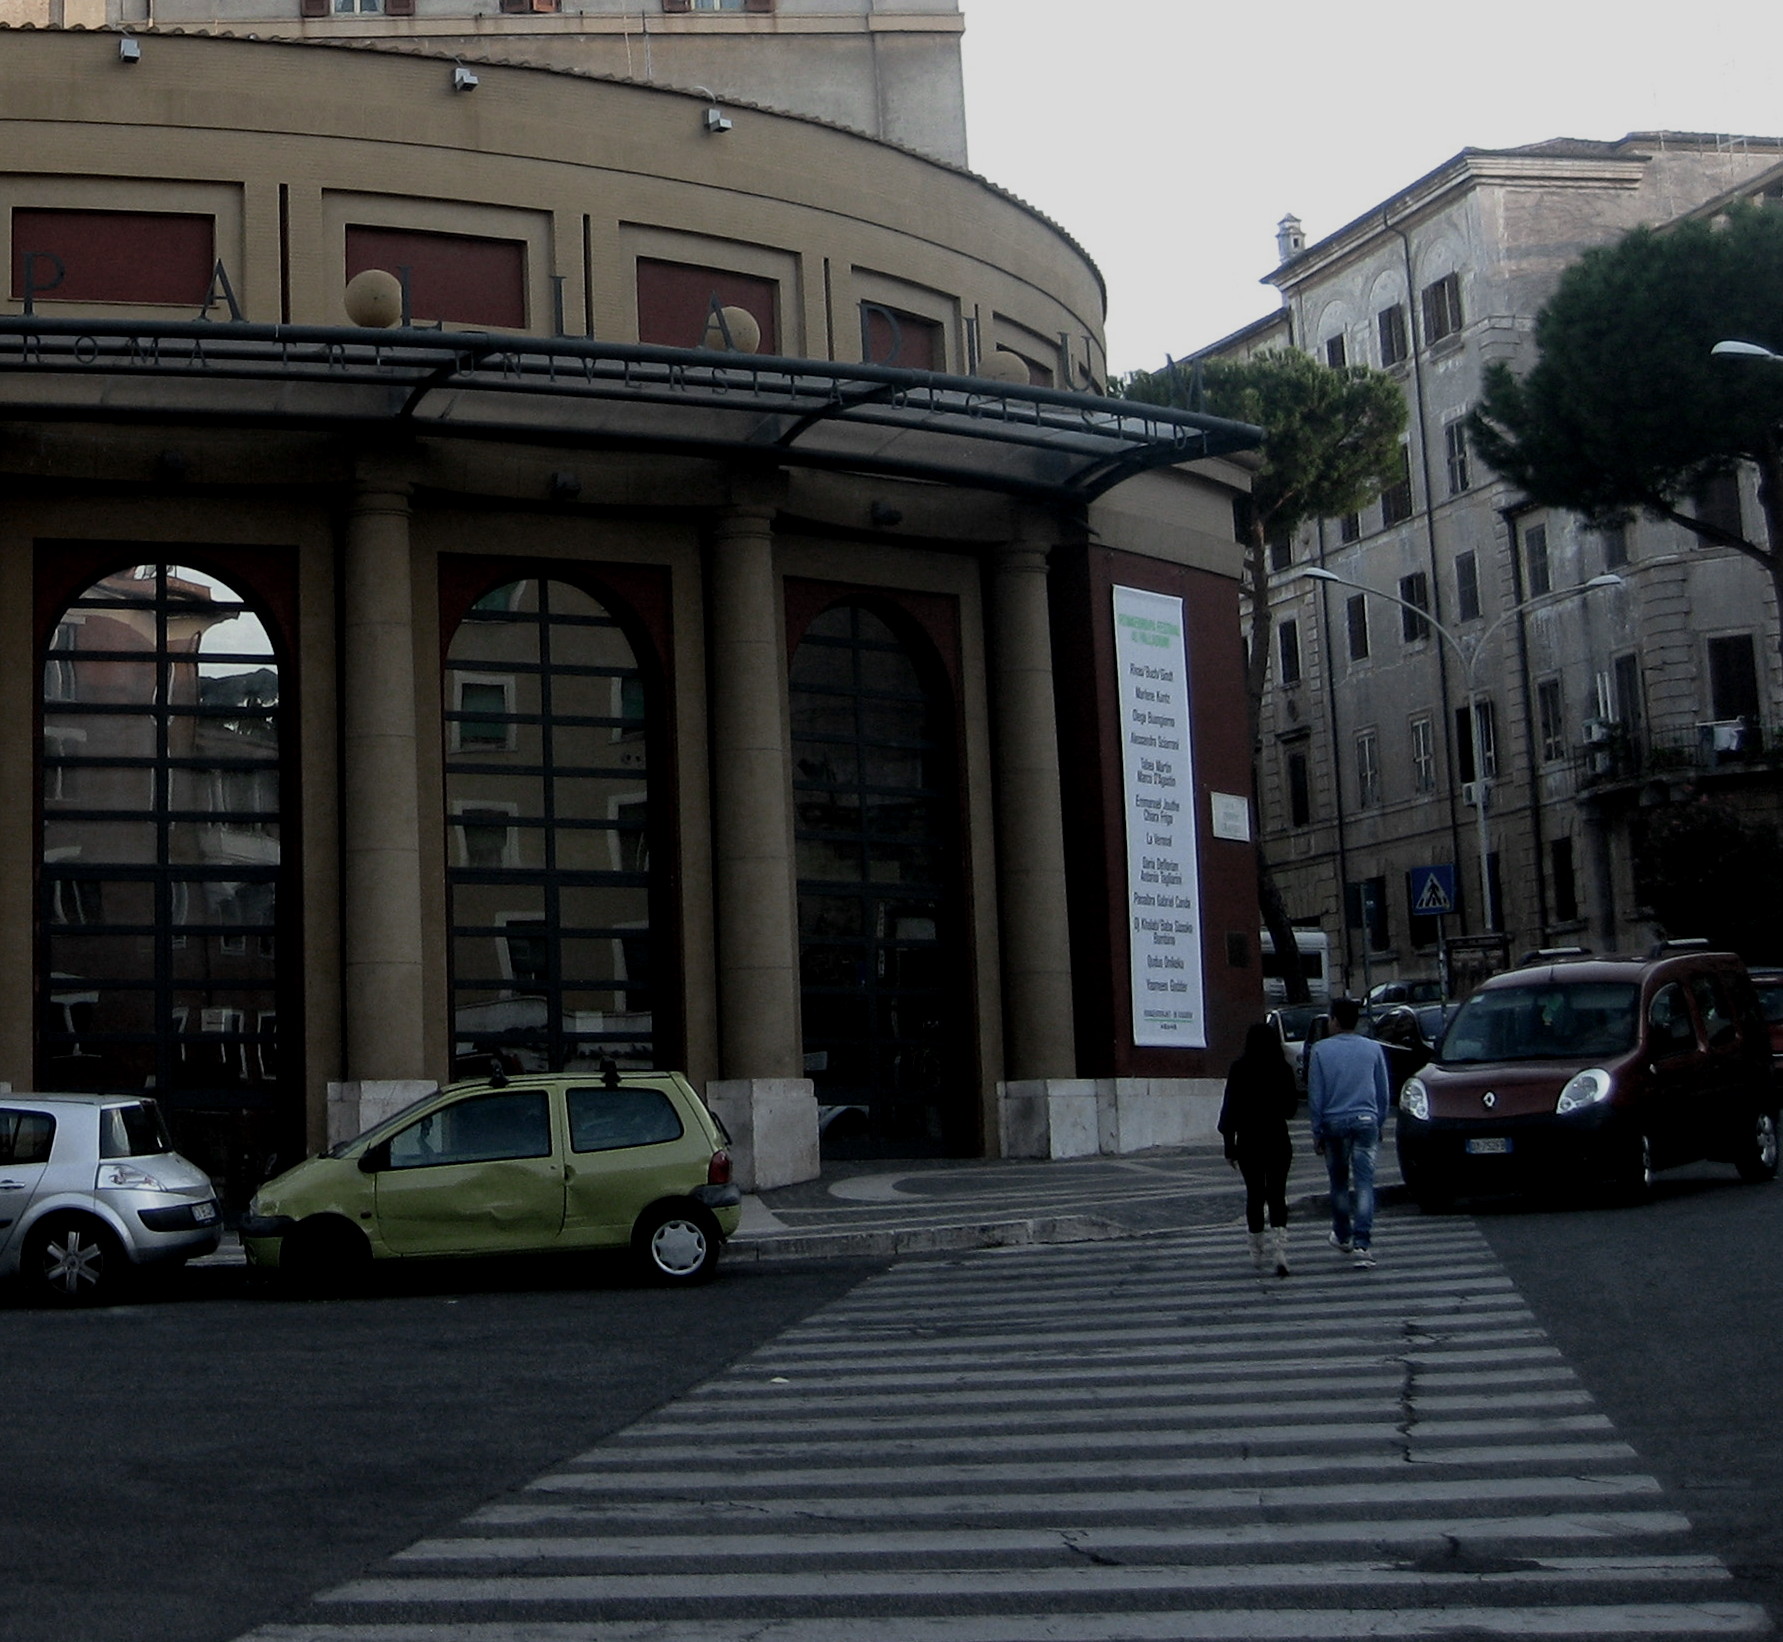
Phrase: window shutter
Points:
(677, 5)
(758, 5)
(312, 8)
(399, 8)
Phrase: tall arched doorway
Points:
(548, 835)
(164, 879)
(886, 1014)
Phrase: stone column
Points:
(763, 1095)
(1040, 1037)
(757, 885)
(379, 781)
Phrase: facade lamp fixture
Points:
(1469, 655)
(129, 51)
(716, 121)
(463, 79)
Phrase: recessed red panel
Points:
(675, 301)
(114, 256)
(463, 279)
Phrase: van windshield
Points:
(1550, 1021)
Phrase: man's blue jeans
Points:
(1350, 1145)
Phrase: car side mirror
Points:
(375, 1158)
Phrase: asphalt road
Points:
(183, 1469)
(1672, 1313)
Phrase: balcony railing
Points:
(1610, 754)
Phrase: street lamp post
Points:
(1469, 656)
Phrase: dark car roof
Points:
(1628, 969)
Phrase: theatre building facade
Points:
(523, 574)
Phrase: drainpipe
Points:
(1519, 595)
(1414, 330)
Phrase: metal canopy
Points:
(577, 392)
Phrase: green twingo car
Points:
(531, 1165)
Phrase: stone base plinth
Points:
(355, 1107)
(772, 1123)
(1087, 1117)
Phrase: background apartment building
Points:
(1568, 700)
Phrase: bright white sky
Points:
(1170, 136)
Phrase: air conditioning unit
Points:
(1476, 793)
(1599, 731)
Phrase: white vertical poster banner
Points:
(1163, 860)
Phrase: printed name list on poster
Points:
(1163, 862)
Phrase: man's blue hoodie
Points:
(1347, 1079)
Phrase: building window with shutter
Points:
(1349, 528)
(1718, 504)
(1551, 719)
(1535, 561)
(1442, 308)
(1415, 590)
(1336, 355)
(1395, 343)
(717, 5)
(1615, 547)
(1299, 791)
(1356, 618)
(1423, 755)
(1476, 741)
(1455, 448)
(1467, 587)
(1281, 551)
(1396, 499)
(1368, 771)
(1288, 650)
(1566, 885)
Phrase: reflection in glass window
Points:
(160, 840)
(608, 1120)
(876, 834)
(515, 1123)
(547, 801)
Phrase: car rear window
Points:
(1557, 1020)
(26, 1137)
(135, 1130)
(606, 1120)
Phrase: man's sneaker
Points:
(1364, 1258)
(1333, 1240)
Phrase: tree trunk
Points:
(1256, 673)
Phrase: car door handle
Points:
(569, 1171)
(12, 1185)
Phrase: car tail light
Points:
(718, 1171)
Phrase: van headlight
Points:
(1584, 1089)
(1414, 1100)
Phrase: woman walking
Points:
(1260, 1098)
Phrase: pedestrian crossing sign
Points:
(1433, 889)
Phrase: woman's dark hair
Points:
(1261, 1044)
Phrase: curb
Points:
(990, 1234)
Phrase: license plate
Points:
(204, 1213)
(1491, 1144)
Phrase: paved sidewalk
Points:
(893, 1207)
(908, 1207)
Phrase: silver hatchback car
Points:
(91, 1190)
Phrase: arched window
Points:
(547, 834)
(162, 864)
(885, 1012)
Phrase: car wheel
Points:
(71, 1260)
(677, 1243)
(1757, 1158)
(324, 1258)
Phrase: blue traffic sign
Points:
(1433, 889)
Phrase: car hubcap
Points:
(1767, 1140)
(678, 1247)
(72, 1263)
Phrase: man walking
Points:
(1346, 1097)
